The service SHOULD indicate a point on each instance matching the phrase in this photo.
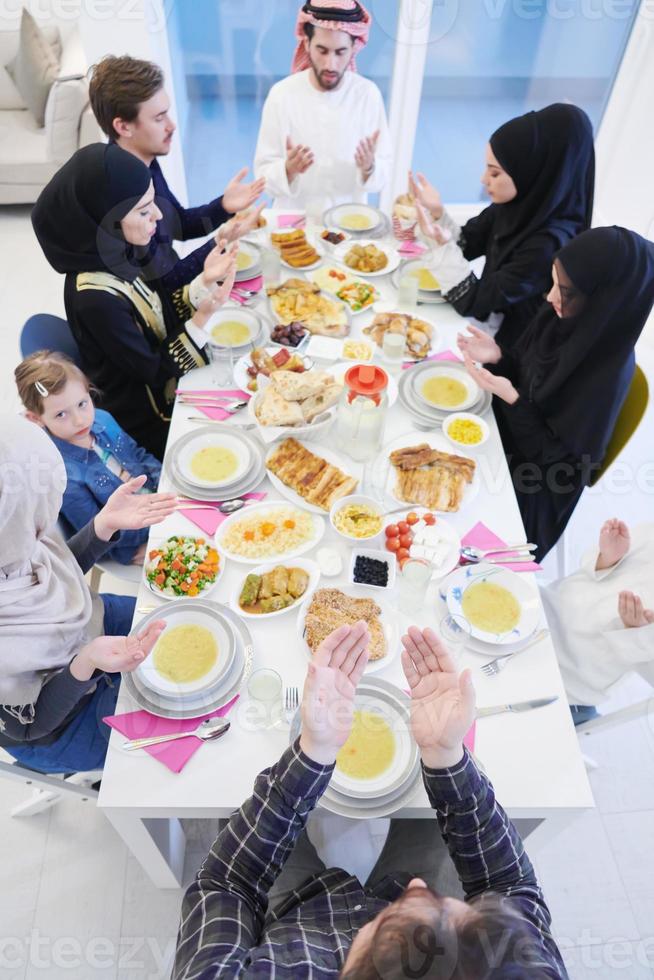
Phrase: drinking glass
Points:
(271, 266)
(413, 582)
(221, 362)
(407, 293)
(455, 633)
(265, 687)
(393, 352)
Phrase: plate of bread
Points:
(298, 404)
(299, 301)
(310, 478)
(295, 250)
(324, 610)
(422, 470)
(420, 336)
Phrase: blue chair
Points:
(43, 331)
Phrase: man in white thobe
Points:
(324, 134)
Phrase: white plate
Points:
(383, 473)
(253, 254)
(205, 592)
(223, 440)
(385, 307)
(241, 376)
(257, 510)
(339, 371)
(332, 285)
(344, 463)
(224, 639)
(249, 319)
(389, 251)
(387, 617)
(473, 645)
(444, 370)
(525, 591)
(449, 536)
(319, 248)
(341, 211)
(310, 567)
(403, 756)
(421, 263)
(273, 433)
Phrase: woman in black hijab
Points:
(559, 391)
(94, 222)
(540, 174)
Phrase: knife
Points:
(516, 706)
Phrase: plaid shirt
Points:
(227, 931)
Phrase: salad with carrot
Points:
(182, 566)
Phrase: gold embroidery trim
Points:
(137, 293)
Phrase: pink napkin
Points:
(252, 285)
(469, 740)
(411, 248)
(210, 519)
(445, 355)
(175, 755)
(215, 412)
(290, 221)
(482, 537)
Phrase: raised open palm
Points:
(442, 702)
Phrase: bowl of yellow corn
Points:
(465, 430)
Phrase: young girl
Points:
(99, 456)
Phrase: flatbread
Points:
(272, 409)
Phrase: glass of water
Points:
(221, 362)
(407, 293)
(265, 687)
(413, 582)
(455, 633)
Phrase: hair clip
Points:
(41, 388)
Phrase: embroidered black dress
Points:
(132, 340)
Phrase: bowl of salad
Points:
(183, 566)
(358, 295)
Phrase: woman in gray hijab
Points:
(62, 648)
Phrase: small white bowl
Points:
(466, 447)
(379, 555)
(356, 498)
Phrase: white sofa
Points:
(30, 154)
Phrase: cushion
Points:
(10, 97)
(34, 68)
(66, 103)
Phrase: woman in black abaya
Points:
(540, 174)
(559, 391)
(94, 221)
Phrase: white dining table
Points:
(533, 758)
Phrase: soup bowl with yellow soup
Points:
(445, 388)
(499, 605)
(355, 217)
(379, 751)
(233, 327)
(248, 260)
(214, 460)
(192, 655)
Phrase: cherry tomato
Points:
(392, 531)
(412, 518)
(403, 527)
(429, 519)
(402, 555)
(406, 540)
(393, 544)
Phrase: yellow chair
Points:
(630, 417)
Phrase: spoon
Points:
(225, 507)
(519, 552)
(209, 729)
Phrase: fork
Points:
(493, 667)
(291, 702)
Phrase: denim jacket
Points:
(91, 483)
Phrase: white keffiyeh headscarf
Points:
(45, 603)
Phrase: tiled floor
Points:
(75, 905)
